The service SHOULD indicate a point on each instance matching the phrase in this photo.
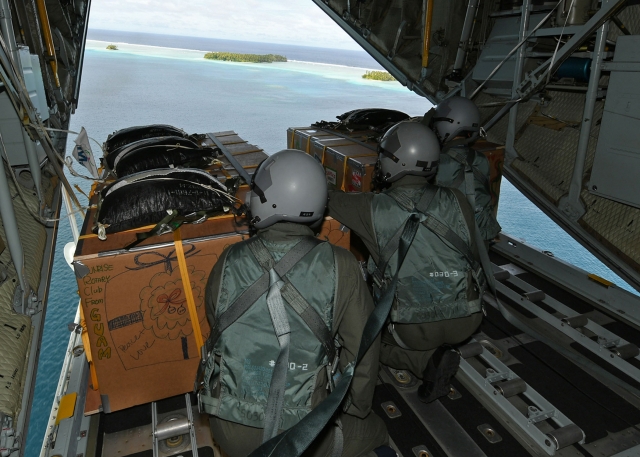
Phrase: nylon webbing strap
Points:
(299, 304)
(87, 350)
(293, 442)
(232, 160)
(251, 295)
(338, 440)
(186, 285)
(451, 237)
(275, 401)
(392, 245)
(310, 317)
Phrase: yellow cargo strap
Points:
(87, 350)
(186, 283)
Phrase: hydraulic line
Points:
(427, 33)
(48, 38)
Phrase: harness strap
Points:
(338, 439)
(310, 317)
(249, 297)
(299, 304)
(294, 441)
(392, 245)
(277, 386)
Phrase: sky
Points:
(298, 22)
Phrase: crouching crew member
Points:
(456, 122)
(287, 313)
(438, 297)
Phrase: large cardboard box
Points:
(301, 137)
(141, 335)
(359, 175)
(318, 147)
(335, 162)
(141, 338)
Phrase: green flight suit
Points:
(363, 430)
(354, 210)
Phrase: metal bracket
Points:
(534, 79)
(608, 342)
(173, 428)
(394, 49)
(540, 409)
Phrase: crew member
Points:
(438, 297)
(300, 307)
(456, 122)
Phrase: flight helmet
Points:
(408, 148)
(456, 116)
(287, 186)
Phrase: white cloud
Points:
(276, 21)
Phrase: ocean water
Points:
(144, 83)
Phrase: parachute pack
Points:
(150, 197)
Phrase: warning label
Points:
(356, 179)
(332, 175)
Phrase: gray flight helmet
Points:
(408, 148)
(287, 186)
(456, 116)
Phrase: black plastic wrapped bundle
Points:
(122, 151)
(372, 117)
(145, 198)
(157, 153)
(132, 134)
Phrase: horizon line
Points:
(227, 39)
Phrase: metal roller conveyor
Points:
(609, 346)
(173, 427)
(499, 383)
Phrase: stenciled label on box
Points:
(356, 179)
(332, 175)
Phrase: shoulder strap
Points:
(394, 242)
(293, 442)
(446, 234)
(295, 299)
(250, 296)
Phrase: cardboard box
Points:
(359, 175)
(335, 162)
(301, 137)
(140, 333)
(318, 147)
(141, 339)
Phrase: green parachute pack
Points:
(441, 277)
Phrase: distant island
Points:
(378, 76)
(112, 47)
(253, 58)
